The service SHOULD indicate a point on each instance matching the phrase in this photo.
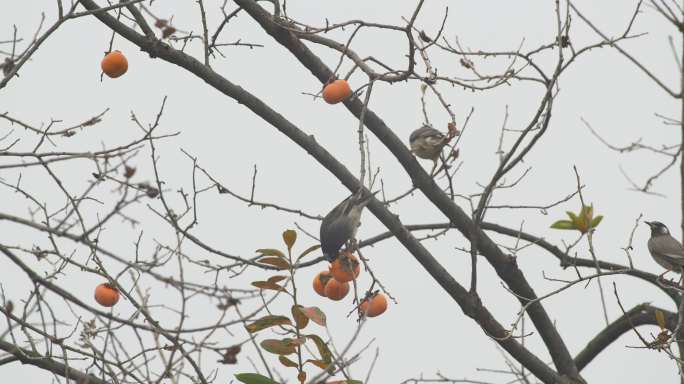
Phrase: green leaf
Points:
(287, 362)
(309, 250)
(572, 216)
(301, 320)
(596, 221)
(326, 355)
(254, 378)
(563, 224)
(268, 285)
(267, 322)
(315, 314)
(277, 262)
(289, 237)
(660, 318)
(279, 347)
(270, 252)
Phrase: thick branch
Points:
(642, 314)
(504, 265)
(34, 358)
(470, 304)
(567, 260)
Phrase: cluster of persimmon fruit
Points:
(334, 284)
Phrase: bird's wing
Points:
(426, 132)
(359, 200)
(669, 247)
(435, 140)
(335, 234)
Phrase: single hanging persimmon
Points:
(336, 290)
(346, 267)
(376, 305)
(320, 281)
(106, 295)
(114, 64)
(336, 91)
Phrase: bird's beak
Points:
(650, 224)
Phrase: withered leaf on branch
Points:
(152, 192)
(289, 237)
(287, 362)
(268, 285)
(7, 66)
(279, 347)
(266, 322)
(167, 32)
(230, 355)
(229, 303)
(9, 307)
(129, 171)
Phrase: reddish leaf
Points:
(315, 314)
(453, 131)
(298, 341)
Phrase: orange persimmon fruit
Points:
(114, 64)
(320, 281)
(345, 268)
(374, 306)
(335, 290)
(106, 295)
(336, 91)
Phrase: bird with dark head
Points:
(427, 143)
(667, 251)
(340, 225)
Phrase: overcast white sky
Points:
(425, 332)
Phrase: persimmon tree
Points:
(256, 300)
